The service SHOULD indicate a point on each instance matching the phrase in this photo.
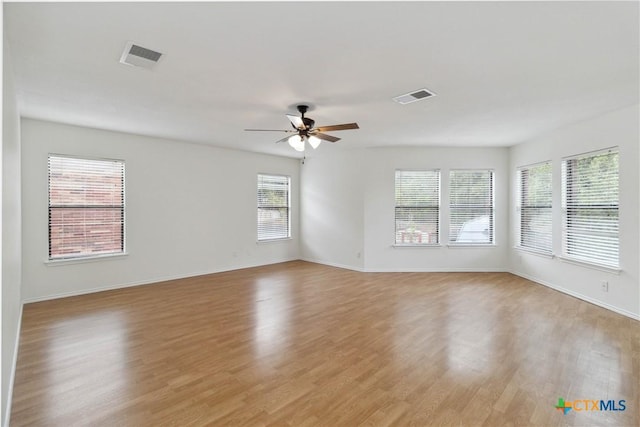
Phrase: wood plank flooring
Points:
(302, 344)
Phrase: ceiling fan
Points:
(304, 130)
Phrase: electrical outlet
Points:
(605, 286)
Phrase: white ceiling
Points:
(504, 72)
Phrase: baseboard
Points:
(436, 270)
(333, 264)
(407, 270)
(12, 374)
(578, 295)
(144, 282)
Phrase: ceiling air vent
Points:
(410, 97)
(139, 56)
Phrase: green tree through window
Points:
(535, 207)
(590, 208)
(273, 207)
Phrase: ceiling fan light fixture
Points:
(296, 142)
(305, 131)
(314, 141)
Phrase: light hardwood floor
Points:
(303, 344)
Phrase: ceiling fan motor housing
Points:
(308, 123)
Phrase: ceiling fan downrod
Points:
(308, 123)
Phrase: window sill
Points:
(416, 245)
(281, 239)
(472, 245)
(83, 260)
(534, 252)
(591, 265)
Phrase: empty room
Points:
(320, 213)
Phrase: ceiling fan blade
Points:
(345, 126)
(269, 130)
(285, 139)
(296, 122)
(325, 137)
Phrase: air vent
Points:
(139, 56)
(417, 95)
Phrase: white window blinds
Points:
(590, 208)
(471, 207)
(534, 206)
(417, 207)
(273, 207)
(86, 207)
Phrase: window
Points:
(417, 207)
(471, 207)
(534, 206)
(86, 207)
(590, 208)
(273, 207)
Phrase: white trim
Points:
(419, 170)
(613, 149)
(416, 245)
(12, 374)
(436, 270)
(579, 296)
(473, 169)
(277, 239)
(146, 282)
(520, 168)
(81, 260)
(592, 265)
(81, 157)
(334, 264)
(472, 245)
(408, 270)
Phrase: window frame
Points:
(492, 225)
(437, 207)
(287, 207)
(520, 207)
(566, 255)
(88, 257)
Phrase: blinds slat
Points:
(590, 196)
(86, 207)
(273, 207)
(535, 207)
(417, 211)
(471, 207)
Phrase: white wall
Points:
(348, 209)
(10, 231)
(379, 167)
(619, 128)
(331, 200)
(190, 210)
